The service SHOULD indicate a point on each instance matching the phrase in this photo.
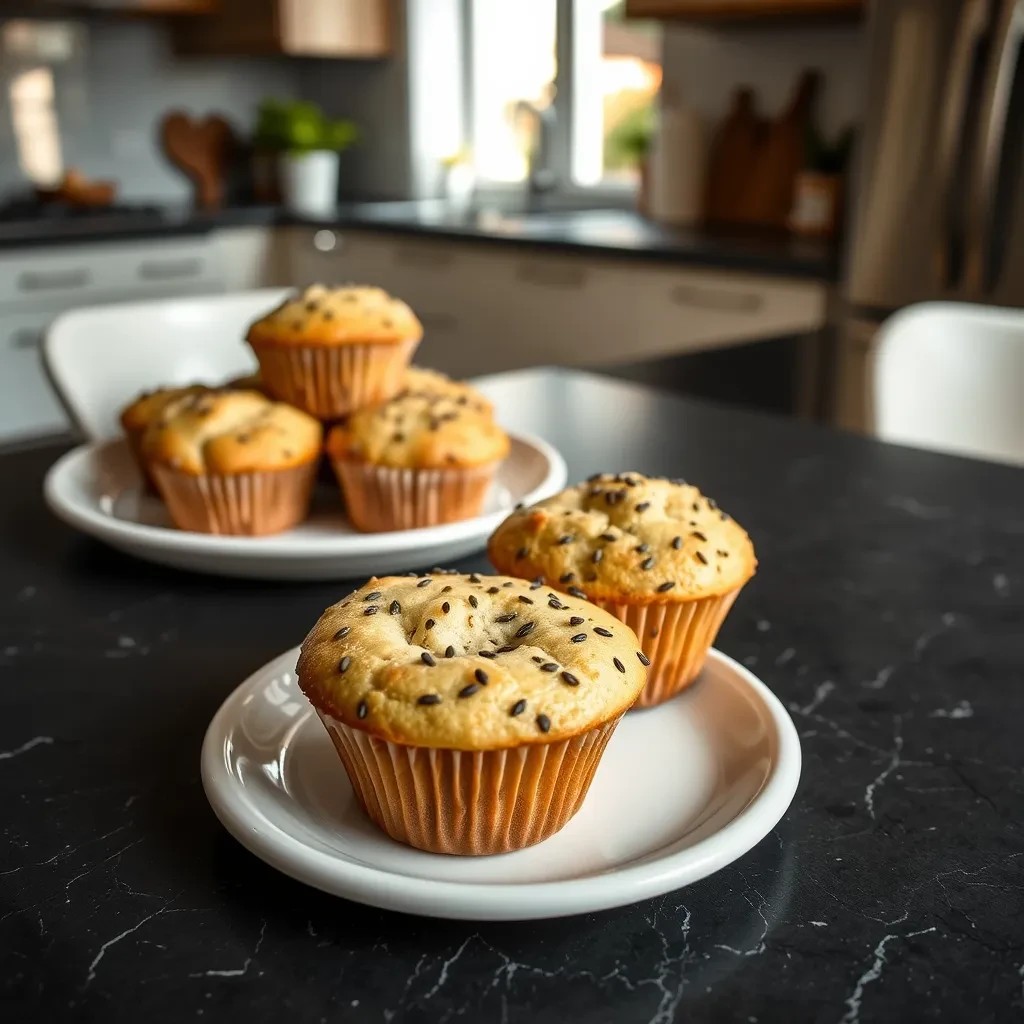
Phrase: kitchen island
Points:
(885, 614)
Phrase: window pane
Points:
(513, 51)
(617, 74)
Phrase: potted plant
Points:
(818, 190)
(628, 147)
(308, 145)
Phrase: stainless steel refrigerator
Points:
(939, 207)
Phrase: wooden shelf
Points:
(726, 12)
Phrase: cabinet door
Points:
(60, 278)
(28, 405)
(302, 28)
(433, 276)
(335, 28)
(237, 27)
(250, 257)
(853, 398)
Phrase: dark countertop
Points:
(615, 232)
(886, 614)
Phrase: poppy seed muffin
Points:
(417, 460)
(656, 553)
(331, 350)
(470, 712)
(146, 409)
(233, 462)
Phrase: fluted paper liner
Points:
(135, 444)
(382, 498)
(246, 504)
(469, 802)
(329, 381)
(676, 636)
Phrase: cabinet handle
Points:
(549, 275)
(38, 281)
(711, 298)
(26, 337)
(170, 270)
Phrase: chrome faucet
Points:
(541, 177)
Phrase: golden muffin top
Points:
(627, 536)
(422, 432)
(138, 415)
(420, 381)
(232, 432)
(469, 662)
(337, 316)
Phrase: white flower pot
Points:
(309, 182)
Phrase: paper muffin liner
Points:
(245, 504)
(469, 803)
(675, 636)
(382, 498)
(135, 445)
(329, 381)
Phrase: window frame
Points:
(566, 190)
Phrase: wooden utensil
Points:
(781, 158)
(755, 162)
(203, 150)
(76, 190)
(733, 154)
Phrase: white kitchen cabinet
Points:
(37, 284)
(28, 405)
(487, 308)
(76, 275)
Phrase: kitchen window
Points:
(574, 73)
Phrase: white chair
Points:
(950, 377)
(101, 357)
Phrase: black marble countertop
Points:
(886, 614)
(616, 232)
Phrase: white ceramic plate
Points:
(96, 488)
(683, 790)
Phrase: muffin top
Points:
(627, 536)
(420, 431)
(469, 662)
(149, 405)
(419, 381)
(338, 316)
(232, 432)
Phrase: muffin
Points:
(331, 350)
(234, 462)
(418, 460)
(470, 712)
(655, 553)
(250, 382)
(419, 381)
(146, 409)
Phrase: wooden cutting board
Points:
(203, 150)
(733, 152)
(754, 161)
